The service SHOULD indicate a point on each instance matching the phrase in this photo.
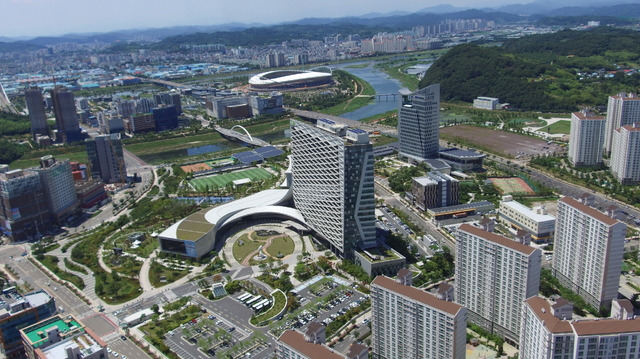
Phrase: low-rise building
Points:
(462, 160)
(19, 312)
(486, 103)
(520, 217)
(62, 338)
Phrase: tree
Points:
(155, 308)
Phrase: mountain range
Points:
(397, 20)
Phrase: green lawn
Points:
(282, 245)
(33, 158)
(563, 127)
(157, 271)
(280, 303)
(51, 262)
(220, 181)
(241, 251)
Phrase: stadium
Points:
(291, 80)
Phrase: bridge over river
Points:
(351, 123)
(246, 137)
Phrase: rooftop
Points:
(484, 205)
(417, 295)
(37, 335)
(202, 222)
(495, 238)
(519, 207)
(590, 211)
(295, 340)
(542, 310)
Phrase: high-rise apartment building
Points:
(276, 59)
(625, 154)
(419, 123)
(409, 323)
(58, 185)
(434, 190)
(622, 109)
(310, 344)
(586, 139)
(24, 213)
(548, 334)
(494, 275)
(588, 251)
(333, 183)
(107, 158)
(37, 116)
(64, 108)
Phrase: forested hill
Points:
(542, 72)
(468, 71)
(597, 41)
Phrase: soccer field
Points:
(220, 181)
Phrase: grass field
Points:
(562, 127)
(241, 251)
(282, 245)
(220, 181)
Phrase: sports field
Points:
(511, 185)
(197, 167)
(220, 181)
(220, 162)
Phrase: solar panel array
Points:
(258, 154)
(247, 157)
(268, 151)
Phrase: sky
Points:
(57, 17)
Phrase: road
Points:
(426, 226)
(66, 300)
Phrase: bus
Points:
(244, 297)
(252, 300)
(260, 304)
(257, 308)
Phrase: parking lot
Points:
(202, 337)
(323, 302)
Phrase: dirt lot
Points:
(507, 143)
(197, 167)
(511, 185)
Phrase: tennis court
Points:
(511, 185)
(220, 181)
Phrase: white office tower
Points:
(622, 109)
(547, 334)
(409, 323)
(625, 154)
(419, 123)
(586, 139)
(494, 275)
(588, 252)
(332, 183)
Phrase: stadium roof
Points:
(271, 78)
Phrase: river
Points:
(382, 83)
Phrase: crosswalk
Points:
(110, 336)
